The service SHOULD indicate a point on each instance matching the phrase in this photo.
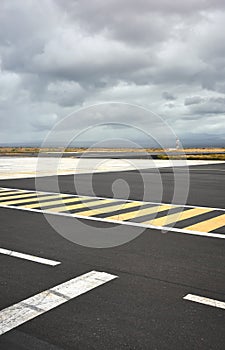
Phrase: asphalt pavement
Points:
(143, 308)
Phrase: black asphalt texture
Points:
(144, 307)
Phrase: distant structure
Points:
(177, 143)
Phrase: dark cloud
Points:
(168, 96)
(170, 105)
(193, 100)
(207, 105)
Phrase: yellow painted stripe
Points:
(112, 208)
(21, 201)
(11, 193)
(46, 204)
(7, 193)
(208, 225)
(81, 205)
(141, 212)
(168, 219)
(22, 195)
(43, 204)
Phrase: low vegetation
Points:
(212, 156)
(197, 153)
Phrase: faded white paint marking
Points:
(26, 310)
(31, 167)
(206, 301)
(29, 257)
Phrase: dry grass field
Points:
(82, 149)
(212, 156)
(198, 153)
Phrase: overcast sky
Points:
(57, 56)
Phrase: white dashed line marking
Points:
(26, 310)
(29, 257)
(205, 301)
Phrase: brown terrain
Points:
(198, 153)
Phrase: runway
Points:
(30, 167)
(145, 305)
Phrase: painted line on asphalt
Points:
(140, 212)
(26, 310)
(116, 199)
(208, 225)
(104, 210)
(157, 224)
(205, 301)
(174, 218)
(29, 257)
(164, 229)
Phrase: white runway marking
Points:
(206, 301)
(26, 310)
(30, 167)
(29, 257)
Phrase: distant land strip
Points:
(157, 153)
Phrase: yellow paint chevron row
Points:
(16, 195)
(94, 203)
(110, 209)
(7, 193)
(10, 199)
(24, 199)
(208, 225)
(202, 219)
(172, 218)
(44, 204)
(141, 212)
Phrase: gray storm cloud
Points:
(58, 56)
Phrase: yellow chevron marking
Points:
(141, 212)
(121, 206)
(168, 219)
(46, 204)
(40, 203)
(82, 205)
(7, 193)
(11, 198)
(21, 201)
(208, 225)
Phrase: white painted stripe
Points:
(29, 257)
(26, 310)
(205, 301)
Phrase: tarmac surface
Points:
(110, 155)
(143, 308)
